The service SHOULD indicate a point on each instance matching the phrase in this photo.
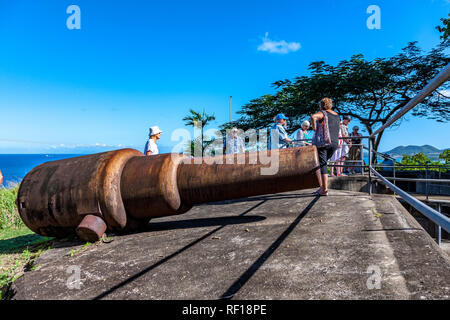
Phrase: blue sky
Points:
(134, 64)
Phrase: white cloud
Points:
(445, 92)
(281, 47)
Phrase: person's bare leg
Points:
(320, 183)
(324, 185)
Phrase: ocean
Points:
(14, 167)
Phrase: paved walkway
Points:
(284, 246)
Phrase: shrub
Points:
(9, 216)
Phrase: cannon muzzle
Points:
(122, 190)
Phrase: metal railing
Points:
(438, 218)
(334, 163)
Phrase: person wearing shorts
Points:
(325, 153)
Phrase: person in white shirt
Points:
(235, 144)
(302, 134)
(151, 148)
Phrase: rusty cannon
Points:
(120, 191)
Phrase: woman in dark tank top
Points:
(326, 152)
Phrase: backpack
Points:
(322, 138)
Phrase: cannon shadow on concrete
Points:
(239, 283)
(162, 261)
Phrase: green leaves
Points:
(371, 91)
(445, 156)
(197, 119)
(445, 30)
(9, 216)
(420, 159)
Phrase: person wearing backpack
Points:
(326, 124)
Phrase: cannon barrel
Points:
(122, 190)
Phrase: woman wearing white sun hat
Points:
(151, 148)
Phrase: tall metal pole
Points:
(230, 107)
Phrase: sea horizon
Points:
(15, 166)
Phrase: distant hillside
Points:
(430, 151)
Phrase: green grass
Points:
(9, 217)
(19, 246)
(74, 252)
(15, 261)
(17, 238)
(376, 213)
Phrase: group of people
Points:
(347, 149)
(331, 138)
(234, 143)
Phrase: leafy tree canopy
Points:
(417, 159)
(201, 120)
(194, 117)
(445, 30)
(420, 159)
(370, 91)
(445, 156)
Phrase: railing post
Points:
(439, 178)
(370, 166)
(426, 183)
(361, 147)
(438, 228)
(394, 160)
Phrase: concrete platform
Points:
(286, 246)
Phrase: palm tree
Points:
(196, 118)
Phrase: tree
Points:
(445, 30)
(370, 91)
(445, 156)
(417, 159)
(200, 120)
